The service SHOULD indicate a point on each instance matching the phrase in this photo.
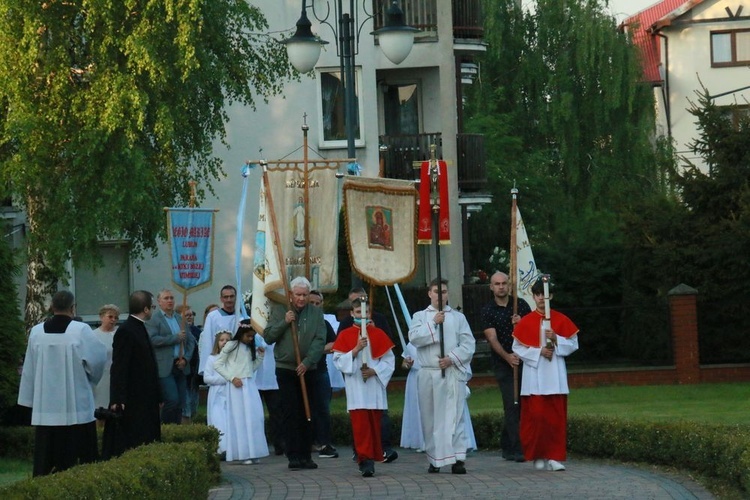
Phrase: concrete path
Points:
(489, 476)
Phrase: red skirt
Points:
(544, 425)
(366, 432)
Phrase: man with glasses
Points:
(224, 318)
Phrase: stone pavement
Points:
(489, 476)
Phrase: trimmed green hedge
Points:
(717, 451)
(158, 470)
(184, 464)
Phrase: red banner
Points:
(424, 232)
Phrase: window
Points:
(730, 48)
(739, 115)
(109, 284)
(331, 110)
(401, 108)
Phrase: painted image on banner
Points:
(379, 223)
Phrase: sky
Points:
(619, 8)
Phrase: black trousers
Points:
(297, 430)
(510, 441)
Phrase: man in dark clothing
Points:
(497, 322)
(134, 386)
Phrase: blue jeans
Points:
(174, 392)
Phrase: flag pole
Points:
(514, 276)
(435, 202)
(282, 271)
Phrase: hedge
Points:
(716, 451)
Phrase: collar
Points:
(446, 308)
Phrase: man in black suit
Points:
(134, 383)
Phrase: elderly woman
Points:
(109, 314)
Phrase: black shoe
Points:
(295, 464)
(390, 456)
(328, 451)
(432, 469)
(278, 450)
(519, 458)
(308, 464)
(458, 468)
(367, 468)
(354, 456)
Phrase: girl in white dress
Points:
(217, 391)
(237, 362)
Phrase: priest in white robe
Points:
(442, 398)
(64, 358)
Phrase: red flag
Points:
(424, 233)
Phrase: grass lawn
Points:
(707, 403)
(726, 404)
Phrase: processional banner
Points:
(191, 237)
(527, 273)
(381, 223)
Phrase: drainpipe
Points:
(665, 88)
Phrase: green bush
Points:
(158, 471)
(17, 442)
(717, 451)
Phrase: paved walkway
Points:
(489, 476)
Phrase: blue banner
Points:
(191, 234)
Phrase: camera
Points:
(102, 413)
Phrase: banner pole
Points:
(282, 271)
(514, 276)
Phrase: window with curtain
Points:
(730, 48)
(332, 109)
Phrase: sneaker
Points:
(555, 466)
(308, 464)
(252, 461)
(419, 450)
(458, 467)
(432, 469)
(390, 456)
(328, 451)
(539, 464)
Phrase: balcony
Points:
(399, 152)
(472, 162)
(468, 22)
(421, 14)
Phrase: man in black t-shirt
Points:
(498, 321)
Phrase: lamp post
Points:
(303, 48)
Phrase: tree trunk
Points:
(36, 287)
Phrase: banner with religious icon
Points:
(306, 205)
(380, 217)
(191, 238)
(424, 234)
(267, 277)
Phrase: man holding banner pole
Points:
(297, 358)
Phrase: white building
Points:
(689, 44)
(402, 109)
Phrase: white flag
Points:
(527, 272)
(267, 281)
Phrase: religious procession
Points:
(285, 357)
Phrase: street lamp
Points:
(303, 48)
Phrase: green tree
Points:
(12, 339)
(702, 236)
(108, 109)
(567, 121)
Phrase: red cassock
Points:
(365, 422)
(544, 418)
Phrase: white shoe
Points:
(554, 465)
(419, 450)
(539, 464)
(252, 461)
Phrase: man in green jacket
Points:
(311, 337)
